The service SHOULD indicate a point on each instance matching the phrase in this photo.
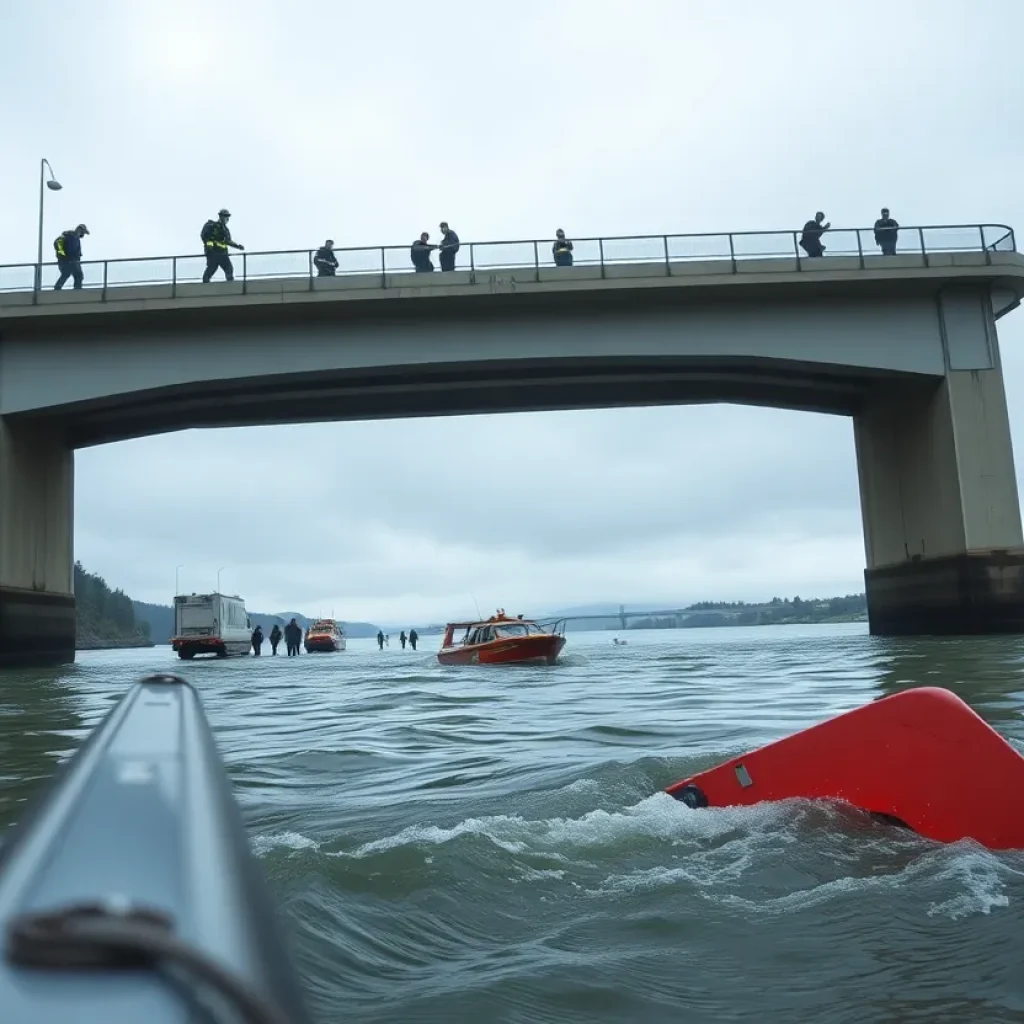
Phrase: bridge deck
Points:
(696, 263)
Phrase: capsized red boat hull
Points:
(541, 648)
(921, 756)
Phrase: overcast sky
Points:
(369, 123)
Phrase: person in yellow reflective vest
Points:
(68, 248)
(216, 239)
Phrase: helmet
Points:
(224, 213)
(83, 229)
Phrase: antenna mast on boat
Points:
(478, 615)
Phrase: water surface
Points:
(489, 844)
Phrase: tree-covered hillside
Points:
(104, 617)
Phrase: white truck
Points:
(210, 624)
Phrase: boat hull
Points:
(537, 649)
(921, 757)
(323, 645)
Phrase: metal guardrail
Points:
(386, 261)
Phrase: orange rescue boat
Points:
(501, 640)
(324, 635)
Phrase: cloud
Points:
(369, 124)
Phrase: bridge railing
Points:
(710, 253)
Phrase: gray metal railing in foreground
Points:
(381, 263)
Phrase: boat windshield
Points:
(514, 629)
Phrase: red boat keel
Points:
(921, 756)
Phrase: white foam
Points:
(658, 817)
(264, 844)
(982, 877)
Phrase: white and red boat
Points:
(501, 640)
(324, 635)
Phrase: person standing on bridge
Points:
(562, 250)
(448, 248)
(413, 637)
(886, 233)
(275, 638)
(216, 239)
(810, 240)
(420, 254)
(325, 260)
(402, 638)
(68, 248)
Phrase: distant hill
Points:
(161, 621)
(105, 618)
(778, 611)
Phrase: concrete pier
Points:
(942, 525)
(37, 602)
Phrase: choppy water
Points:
(491, 844)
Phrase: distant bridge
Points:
(622, 615)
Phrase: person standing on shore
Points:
(292, 636)
(275, 638)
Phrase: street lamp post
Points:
(177, 589)
(55, 186)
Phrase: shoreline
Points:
(82, 644)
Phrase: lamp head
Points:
(53, 185)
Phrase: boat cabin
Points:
(497, 627)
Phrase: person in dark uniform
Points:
(275, 638)
(448, 248)
(562, 250)
(292, 636)
(886, 233)
(380, 639)
(216, 241)
(810, 239)
(413, 637)
(325, 260)
(68, 248)
(257, 640)
(402, 638)
(420, 254)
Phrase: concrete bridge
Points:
(904, 345)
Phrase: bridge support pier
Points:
(37, 601)
(942, 526)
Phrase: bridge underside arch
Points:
(455, 389)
